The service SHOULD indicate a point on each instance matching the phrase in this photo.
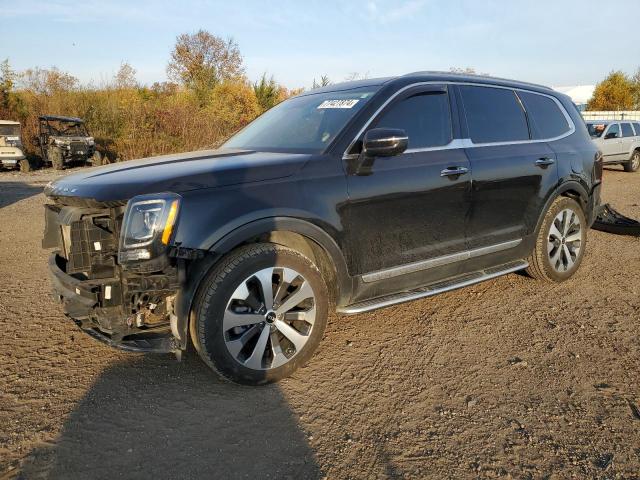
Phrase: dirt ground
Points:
(510, 378)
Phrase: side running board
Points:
(434, 289)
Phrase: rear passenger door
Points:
(514, 169)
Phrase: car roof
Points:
(8, 122)
(433, 76)
(61, 118)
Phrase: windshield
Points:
(596, 129)
(67, 129)
(305, 124)
(10, 130)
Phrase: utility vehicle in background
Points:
(65, 141)
(11, 150)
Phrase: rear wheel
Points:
(561, 242)
(260, 314)
(634, 163)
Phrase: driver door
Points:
(612, 143)
(407, 212)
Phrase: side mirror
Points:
(384, 142)
(611, 135)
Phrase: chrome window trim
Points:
(465, 142)
(438, 261)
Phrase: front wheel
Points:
(634, 163)
(561, 242)
(260, 314)
(54, 155)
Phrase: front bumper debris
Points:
(610, 221)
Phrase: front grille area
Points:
(86, 238)
(78, 148)
(90, 245)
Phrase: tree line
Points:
(206, 99)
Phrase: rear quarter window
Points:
(545, 117)
(493, 114)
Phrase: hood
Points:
(175, 173)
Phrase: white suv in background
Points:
(619, 142)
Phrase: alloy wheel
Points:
(635, 161)
(269, 318)
(565, 240)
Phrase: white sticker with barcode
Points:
(338, 103)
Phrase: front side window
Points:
(627, 131)
(305, 124)
(545, 117)
(613, 132)
(493, 115)
(425, 117)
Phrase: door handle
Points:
(545, 162)
(451, 171)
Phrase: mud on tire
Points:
(218, 295)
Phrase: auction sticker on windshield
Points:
(338, 103)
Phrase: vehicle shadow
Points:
(12, 192)
(152, 417)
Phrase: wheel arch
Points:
(301, 235)
(572, 189)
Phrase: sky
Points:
(557, 43)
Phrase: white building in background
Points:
(580, 94)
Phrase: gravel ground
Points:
(510, 378)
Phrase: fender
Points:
(198, 270)
(569, 185)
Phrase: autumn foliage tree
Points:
(616, 92)
(201, 60)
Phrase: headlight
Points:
(91, 141)
(148, 226)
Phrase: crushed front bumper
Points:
(81, 301)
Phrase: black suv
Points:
(349, 198)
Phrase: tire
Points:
(267, 345)
(25, 166)
(561, 242)
(54, 155)
(96, 159)
(633, 165)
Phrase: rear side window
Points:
(627, 131)
(545, 117)
(493, 114)
(425, 117)
(636, 125)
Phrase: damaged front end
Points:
(112, 270)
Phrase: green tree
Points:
(267, 92)
(7, 77)
(614, 93)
